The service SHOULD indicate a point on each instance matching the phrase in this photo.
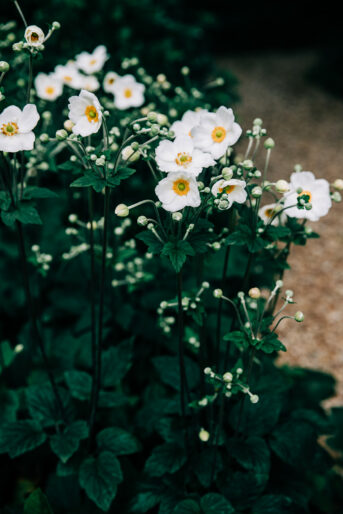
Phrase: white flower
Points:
(34, 35)
(177, 191)
(69, 75)
(127, 92)
(267, 212)
(90, 83)
(216, 132)
(189, 120)
(48, 87)
(180, 155)
(234, 188)
(109, 81)
(16, 128)
(315, 191)
(85, 112)
(91, 63)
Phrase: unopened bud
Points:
(68, 125)
(338, 184)
(269, 143)
(254, 292)
(256, 192)
(177, 216)
(204, 435)
(122, 210)
(299, 316)
(217, 293)
(227, 173)
(142, 220)
(282, 186)
(61, 135)
(4, 66)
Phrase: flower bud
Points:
(269, 143)
(204, 435)
(205, 285)
(217, 293)
(56, 25)
(256, 192)
(247, 164)
(122, 210)
(34, 36)
(177, 216)
(298, 168)
(282, 186)
(258, 122)
(254, 292)
(338, 184)
(68, 125)
(299, 316)
(128, 154)
(336, 197)
(61, 135)
(254, 398)
(152, 116)
(17, 47)
(185, 70)
(4, 66)
(228, 377)
(44, 138)
(227, 173)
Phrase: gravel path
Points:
(307, 126)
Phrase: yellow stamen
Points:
(128, 93)
(91, 113)
(34, 37)
(226, 189)
(183, 159)
(10, 128)
(181, 187)
(68, 78)
(110, 81)
(92, 62)
(49, 90)
(269, 213)
(218, 134)
(306, 193)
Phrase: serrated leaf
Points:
(295, 443)
(19, 437)
(213, 503)
(43, 405)
(9, 217)
(272, 504)
(177, 252)
(28, 214)
(90, 180)
(5, 200)
(253, 454)
(37, 503)
(117, 441)
(116, 361)
(79, 383)
(167, 458)
(187, 507)
(66, 443)
(145, 501)
(110, 399)
(99, 477)
(38, 192)
(169, 371)
(154, 245)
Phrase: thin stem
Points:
(218, 431)
(21, 14)
(220, 306)
(29, 82)
(92, 294)
(101, 310)
(249, 370)
(183, 378)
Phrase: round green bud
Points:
(44, 138)
(299, 316)
(258, 121)
(227, 173)
(269, 143)
(336, 197)
(282, 186)
(177, 216)
(142, 220)
(338, 184)
(152, 116)
(298, 168)
(121, 210)
(61, 135)
(217, 293)
(256, 192)
(254, 398)
(56, 25)
(4, 66)
(185, 70)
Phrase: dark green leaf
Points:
(167, 458)
(5, 200)
(116, 361)
(253, 454)
(187, 507)
(28, 214)
(213, 503)
(37, 503)
(9, 217)
(38, 192)
(99, 477)
(117, 441)
(177, 252)
(271, 504)
(43, 405)
(65, 443)
(79, 383)
(154, 245)
(169, 371)
(19, 437)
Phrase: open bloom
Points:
(127, 92)
(90, 83)
(69, 75)
(216, 132)
(48, 87)
(267, 213)
(234, 188)
(315, 191)
(85, 113)
(109, 81)
(91, 63)
(177, 191)
(34, 35)
(180, 155)
(16, 128)
(189, 120)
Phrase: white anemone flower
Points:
(267, 213)
(234, 188)
(109, 81)
(216, 132)
(48, 87)
(94, 62)
(180, 155)
(34, 35)
(127, 92)
(315, 191)
(90, 83)
(69, 75)
(189, 120)
(16, 128)
(177, 191)
(85, 113)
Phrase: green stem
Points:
(220, 306)
(183, 377)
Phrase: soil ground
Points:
(306, 123)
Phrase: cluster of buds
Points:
(40, 260)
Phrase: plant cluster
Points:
(137, 358)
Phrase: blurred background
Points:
(281, 62)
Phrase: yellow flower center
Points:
(110, 81)
(181, 187)
(9, 129)
(91, 113)
(307, 194)
(34, 37)
(269, 213)
(183, 159)
(226, 189)
(127, 93)
(92, 62)
(68, 78)
(49, 90)
(218, 134)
